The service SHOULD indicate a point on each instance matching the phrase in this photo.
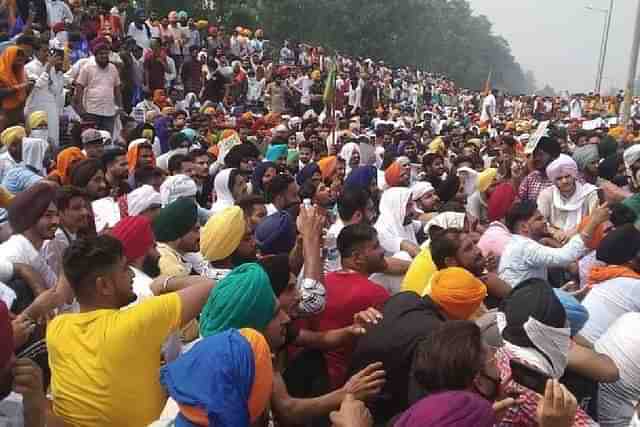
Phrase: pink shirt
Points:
(99, 84)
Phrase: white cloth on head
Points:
(617, 400)
(222, 187)
(562, 165)
(390, 224)
(347, 152)
(141, 199)
(420, 188)
(177, 187)
(553, 342)
(444, 220)
(33, 150)
(630, 156)
(469, 178)
(106, 213)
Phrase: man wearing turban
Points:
(227, 241)
(567, 201)
(11, 139)
(177, 232)
(33, 216)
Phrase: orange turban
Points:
(457, 292)
(393, 174)
(328, 166)
(133, 152)
(65, 160)
(263, 380)
(261, 388)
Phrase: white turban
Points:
(420, 188)
(141, 199)
(561, 166)
(177, 187)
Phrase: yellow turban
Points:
(457, 292)
(36, 119)
(477, 142)
(420, 272)
(486, 178)
(437, 146)
(616, 132)
(202, 24)
(222, 234)
(11, 135)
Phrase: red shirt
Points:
(347, 293)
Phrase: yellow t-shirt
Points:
(419, 273)
(105, 364)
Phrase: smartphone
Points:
(529, 377)
(601, 196)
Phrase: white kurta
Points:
(46, 95)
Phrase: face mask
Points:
(40, 134)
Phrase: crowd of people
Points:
(199, 227)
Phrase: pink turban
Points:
(562, 166)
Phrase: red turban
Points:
(500, 201)
(136, 235)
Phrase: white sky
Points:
(559, 40)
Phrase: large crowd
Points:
(201, 227)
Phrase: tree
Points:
(441, 36)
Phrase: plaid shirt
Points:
(532, 185)
(524, 414)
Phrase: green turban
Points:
(585, 155)
(175, 220)
(243, 299)
(607, 146)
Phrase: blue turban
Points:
(258, 174)
(190, 134)
(274, 152)
(276, 234)
(307, 172)
(577, 314)
(361, 177)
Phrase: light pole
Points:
(633, 67)
(604, 43)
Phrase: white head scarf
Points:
(222, 187)
(33, 150)
(347, 151)
(553, 342)
(177, 187)
(141, 199)
(393, 210)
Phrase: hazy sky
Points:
(560, 39)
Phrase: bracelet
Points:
(166, 282)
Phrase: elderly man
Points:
(395, 226)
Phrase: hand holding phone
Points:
(529, 377)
